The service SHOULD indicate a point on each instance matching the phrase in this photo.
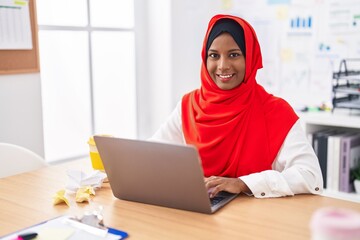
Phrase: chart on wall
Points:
(302, 43)
(15, 29)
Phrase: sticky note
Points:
(286, 54)
(55, 233)
(282, 13)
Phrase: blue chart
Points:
(300, 25)
(299, 22)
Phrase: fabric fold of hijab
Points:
(239, 131)
(228, 26)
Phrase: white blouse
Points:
(295, 170)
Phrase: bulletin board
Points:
(23, 61)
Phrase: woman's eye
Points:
(213, 55)
(234, 54)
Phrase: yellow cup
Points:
(95, 156)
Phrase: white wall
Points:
(21, 111)
(169, 40)
(186, 42)
(154, 66)
(189, 20)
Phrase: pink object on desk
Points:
(335, 224)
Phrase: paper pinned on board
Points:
(15, 28)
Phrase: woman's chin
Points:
(225, 86)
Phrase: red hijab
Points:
(239, 131)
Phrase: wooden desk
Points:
(26, 199)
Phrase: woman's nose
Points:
(223, 64)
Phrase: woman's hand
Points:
(233, 185)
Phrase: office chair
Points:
(15, 159)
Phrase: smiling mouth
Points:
(225, 77)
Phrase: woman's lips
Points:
(225, 77)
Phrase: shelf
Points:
(349, 76)
(346, 83)
(355, 77)
(348, 90)
(341, 195)
(340, 118)
(354, 104)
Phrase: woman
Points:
(249, 140)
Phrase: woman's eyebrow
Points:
(230, 50)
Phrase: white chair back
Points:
(15, 159)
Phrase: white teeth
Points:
(225, 76)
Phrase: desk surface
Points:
(26, 199)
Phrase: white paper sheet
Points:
(15, 28)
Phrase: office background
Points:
(54, 114)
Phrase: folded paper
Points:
(60, 198)
(83, 194)
(79, 179)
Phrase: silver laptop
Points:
(157, 173)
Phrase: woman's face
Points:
(225, 62)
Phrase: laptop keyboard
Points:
(220, 197)
(215, 200)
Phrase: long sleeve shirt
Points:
(295, 170)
